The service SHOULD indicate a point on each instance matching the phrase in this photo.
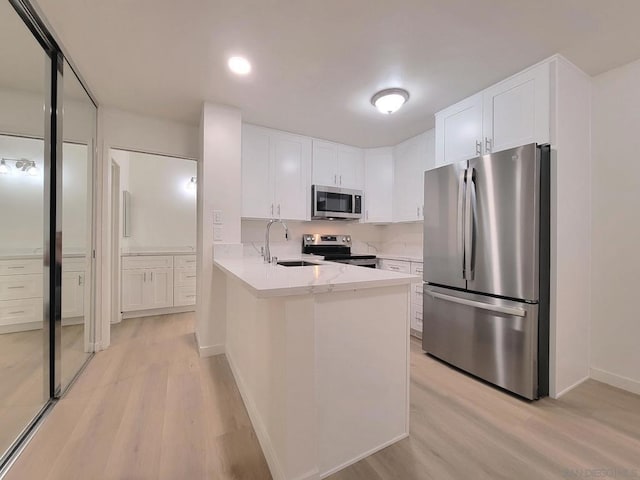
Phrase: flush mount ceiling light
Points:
(239, 65)
(390, 100)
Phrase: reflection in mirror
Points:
(22, 100)
(79, 128)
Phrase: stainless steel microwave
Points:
(334, 203)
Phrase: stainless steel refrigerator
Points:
(486, 267)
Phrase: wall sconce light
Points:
(29, 167)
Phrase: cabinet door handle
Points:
(367, 215)
(335, 179)
(144, 279)
(278, 210)
(19, 312)
(478, 148)
(152, 276)
(79, 280)
(418, 210)
(272, 209)
(487, 145)
(16, 267)
(13, 288)
(340, 180)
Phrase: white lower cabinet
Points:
(147, 282)
(72, 294)
(21, 286)
(415, 309)
(156, 282)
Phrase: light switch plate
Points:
(217, 217)
(217, 234)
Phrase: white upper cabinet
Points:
(516, 111)
(459, 131)
(511, 113)
(378, 185)
(325, 163)
(411, 159)
(337, 165)
(276, 180)
(291, 159)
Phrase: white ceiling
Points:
(316, 63)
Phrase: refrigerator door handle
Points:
(515, 311)
(461, 196)
(469, 217)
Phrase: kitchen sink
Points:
(297, 263)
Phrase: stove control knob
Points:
(309, 239)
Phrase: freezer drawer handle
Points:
(518, 312)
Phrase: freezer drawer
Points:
(494, 339)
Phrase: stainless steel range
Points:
(335, 248)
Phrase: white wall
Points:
(219, 180)
(570, 311)
(615, 351)
(163, 209)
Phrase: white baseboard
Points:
(158, 311)
(258, 426)
(364, 455)
(625, 383)
(209, 350)
(569, 388)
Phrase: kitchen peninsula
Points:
(320, 354)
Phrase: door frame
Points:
(116, 276)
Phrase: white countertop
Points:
(404, 258)
(267, 280)
(161, 253)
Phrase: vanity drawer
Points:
(15, 287)
(184, 295)
(73, 264)
(184, 261)
(395, 265)
(14, 312)
(416, 268)
(147, 261)
(21, 267)
(184, 277)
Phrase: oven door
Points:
(336, 203)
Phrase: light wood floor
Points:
(149, 408)
(22, 390)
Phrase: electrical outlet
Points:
(217, 234)
(217, 217)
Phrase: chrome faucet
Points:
(267, 250)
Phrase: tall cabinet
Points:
(276, 174)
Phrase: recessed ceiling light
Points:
(239, 65)
(390, 100)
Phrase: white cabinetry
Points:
(184, 280)
(415, 309)
(147, 282)
(511, 113)
(459, 131)
(337, 165)
(275, 174)
(21, 286)
(74, 289)
(411, 158)
(378, 185)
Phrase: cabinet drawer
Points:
(184, 295)
(15, 287)
(14, 312)
(20, 267)
(416, 295)
(416, 268)
(395, 265)
(184, 261)
(74, 264)
(144, 261)
(184, 277)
